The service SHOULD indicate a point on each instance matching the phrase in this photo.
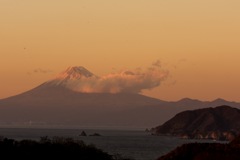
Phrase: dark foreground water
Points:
(134, 144)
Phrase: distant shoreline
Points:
(72, 127)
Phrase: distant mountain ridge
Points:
(222, 123)
(56, 103)
(194, 103)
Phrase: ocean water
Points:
(138, 145)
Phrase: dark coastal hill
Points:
(206, 151)
(210, 123)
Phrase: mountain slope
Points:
(60, 106)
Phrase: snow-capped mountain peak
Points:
(75, 73)
(71, 78)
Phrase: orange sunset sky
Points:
(197, 41)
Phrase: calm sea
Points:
(133, 144)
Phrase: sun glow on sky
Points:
(196, 41)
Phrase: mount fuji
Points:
(57, 102)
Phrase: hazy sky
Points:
(197, 41)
